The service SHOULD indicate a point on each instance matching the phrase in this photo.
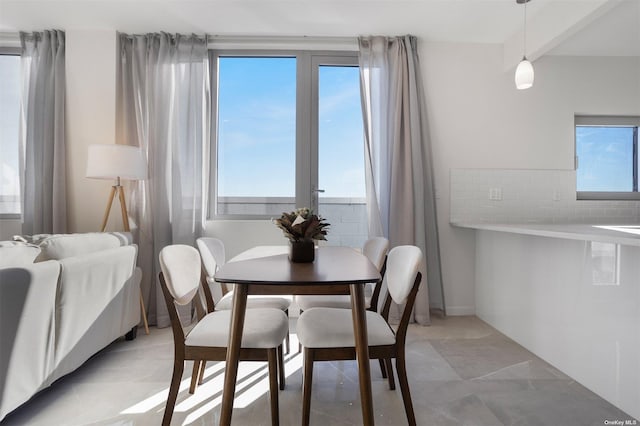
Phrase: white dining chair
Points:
(213, 254)
(375, 249)
(264, 329)
(325, 337)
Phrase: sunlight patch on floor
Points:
(155, 400)
(252, 384)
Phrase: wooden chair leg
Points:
(194, 376)
(273, 385)
(300, 344)
(203, 364)
(404, 388)
(178, 368)
(306, 386)
(143, 312)
(286, 339)
(281, 377)
(382, 368)
(389, 368)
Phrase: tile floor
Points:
(462, 372)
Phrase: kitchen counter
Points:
(574, 303)
(618, 234)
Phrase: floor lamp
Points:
(118, 162)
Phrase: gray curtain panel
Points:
(42, 133)
(163, 107)
(398, 168)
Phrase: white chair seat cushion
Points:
(253, 302)
(327, 301)
(263, 329)
(333, 328)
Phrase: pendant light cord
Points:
(524, 47)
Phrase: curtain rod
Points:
(9, 39)
(282, 42)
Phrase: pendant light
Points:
(524, 71)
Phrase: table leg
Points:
(233, 352)
(362, 352)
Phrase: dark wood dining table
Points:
(268, 270)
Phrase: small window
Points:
(9, 133)
(607, 157)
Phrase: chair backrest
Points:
(402, 280)
(181, 269)
(213, 256)
(212, 253)
(376, 250)
(402, 268)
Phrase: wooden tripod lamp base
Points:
(116, 161)
(118, 189)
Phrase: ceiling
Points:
(562, 27)
(616, 33)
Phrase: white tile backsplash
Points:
(530, 196)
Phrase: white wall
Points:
(477, 119)
(91, 95)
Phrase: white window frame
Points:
(11, 51)
(609, 121)
(306, 146)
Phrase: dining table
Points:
(267, 270)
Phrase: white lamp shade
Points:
(116, 161)
(524, 75)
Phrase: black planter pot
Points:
(302, 251)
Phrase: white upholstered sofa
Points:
(62, 299)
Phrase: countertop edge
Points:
(584, 232)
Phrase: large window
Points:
(256, 133)
(9, 133)
(287, 132)
(607, 157)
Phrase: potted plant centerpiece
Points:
(302, 227)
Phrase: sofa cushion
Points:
(95, 294)
(27, 320)
(16, 253)
(62, 246)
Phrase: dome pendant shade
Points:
(524, 74)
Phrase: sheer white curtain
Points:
(42, 134)
(163, 106)
(399, 176)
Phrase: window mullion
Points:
(314, 140)
(303, 130)
(213, 136)
(635, 159)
